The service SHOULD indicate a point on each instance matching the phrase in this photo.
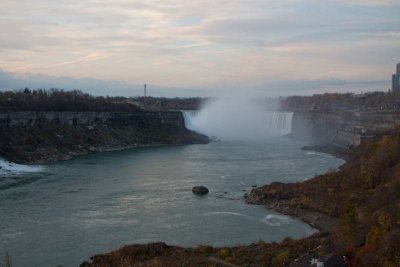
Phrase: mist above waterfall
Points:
(238, 119)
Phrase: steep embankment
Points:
(357, 207)
(39, 137)
(162, 255)
(361, 201)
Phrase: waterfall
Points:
(255, 126)
(188, 117)
(280, 122)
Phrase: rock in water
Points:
(200, 190)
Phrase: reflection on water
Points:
(71, 210)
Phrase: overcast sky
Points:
(200, 47)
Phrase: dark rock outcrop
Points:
(200, 190)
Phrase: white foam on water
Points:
(228, 213)
(276, 220)
(312, 153)
(309, 230)
(8, 168)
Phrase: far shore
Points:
(93, 150)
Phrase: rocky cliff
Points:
(342, 128)
(39, 137)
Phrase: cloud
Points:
(201, 44)
(93, 56)
(369, 2)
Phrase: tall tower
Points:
(396, 80)
(144, 95)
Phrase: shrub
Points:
(348, 225)
(378, 231)
(224, 253)
(281, 259)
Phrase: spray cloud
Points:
(240, 119)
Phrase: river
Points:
(62, 213)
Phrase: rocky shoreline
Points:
(334, 150)
(321, 221)
(318, 220)
(69, 155)
(51, 156)
(277, 202)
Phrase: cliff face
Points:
(345, 129)
(38, 137)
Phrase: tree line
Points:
(76, 100)
(60, 100)
(334, 101)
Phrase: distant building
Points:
(396, 80)
(361, 95)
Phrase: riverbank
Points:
(334, 150)
(69, 155)
(318, 220)
(47, 156)
(254, 255)
(272, 196)
(279, 202)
